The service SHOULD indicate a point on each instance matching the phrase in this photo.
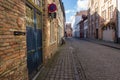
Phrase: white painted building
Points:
(76, 26)
(75, 23)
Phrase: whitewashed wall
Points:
(75, 26)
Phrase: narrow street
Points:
(82, 60)
(59, 40)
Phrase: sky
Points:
(73, 6)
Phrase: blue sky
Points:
(72, 6)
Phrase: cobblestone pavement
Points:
(105, 43)
(82, 60)
(63, 66)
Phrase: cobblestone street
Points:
(82, 60)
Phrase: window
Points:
(96, 9)
(60, 32)
(110, 1)
(29, 17)
(110, 12)
(97, 23)
(52, 32)
(38, 21)
(31, 21)
(92, 1)
(104, 14)
(37, 2)
(105, 1)
(96, 13)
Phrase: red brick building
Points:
(13, 63)
(28, 37)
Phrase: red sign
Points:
(52, 7)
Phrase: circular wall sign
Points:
(52, 7)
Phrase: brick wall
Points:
(48, 48)
(12, 48)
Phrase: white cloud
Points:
(71, 18)
(69, 11)
(82, 5)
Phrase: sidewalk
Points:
(105, 43)
(59, 67)
(62, 66)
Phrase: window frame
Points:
(110, 12)
(52, 32)
(105, 1)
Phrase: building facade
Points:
(61, 21)
(53, 28)
(28, 36)
(93, 18)
(102, 20)
(68, 30)
(75, 24)
(13, 56)
(83, 27)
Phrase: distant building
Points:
(68, 30)
(77, 19)
(83, 27)
(102, 20)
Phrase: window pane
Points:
(52, 35)
(29, 16)
(38, 18)
(37, 2)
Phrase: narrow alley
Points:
(82, 60)
(59, 40)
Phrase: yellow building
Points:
(53, 28)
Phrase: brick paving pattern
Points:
(63, 67)
(83, 60)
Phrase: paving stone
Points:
(62, 68)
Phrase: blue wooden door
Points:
(34, 39)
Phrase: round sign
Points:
(52, 8)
